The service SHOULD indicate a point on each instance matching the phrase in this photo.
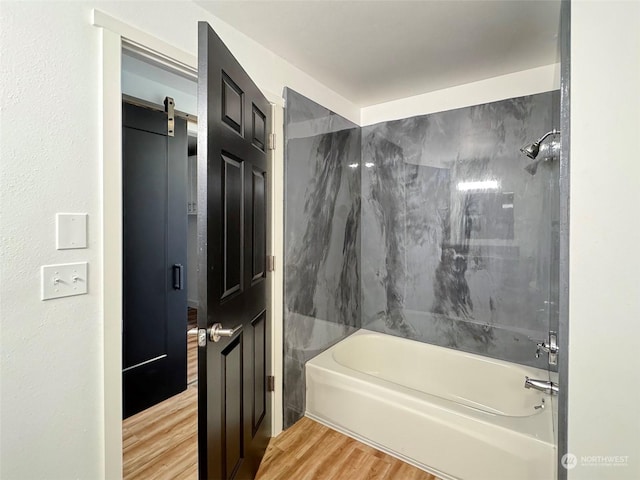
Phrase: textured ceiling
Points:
(375, 51)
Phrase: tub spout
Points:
(545, 386)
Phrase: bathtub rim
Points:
(537, 427)
(464, 353)
(523, 370)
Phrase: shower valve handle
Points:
(550, 347)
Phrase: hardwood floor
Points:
(309, 450)
(162, 441)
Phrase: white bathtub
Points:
(454, 414)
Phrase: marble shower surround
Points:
(387, 228)
(322, 238)
(457, 238)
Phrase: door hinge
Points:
(271, 263)
(271, 141)
(169, 105)
(271, 383)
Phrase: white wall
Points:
(51, 373)
(518, 84)
(51, 405)
(604, 326)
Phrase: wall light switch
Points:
(71, 230)
(64, 280)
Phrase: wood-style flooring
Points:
(162, 443)
(309, 450)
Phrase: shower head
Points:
(533, 149)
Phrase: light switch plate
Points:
(64, 280)
(71, 230)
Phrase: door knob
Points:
(216, 332)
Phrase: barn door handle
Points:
(178, 276)
(216, 331)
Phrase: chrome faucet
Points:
(551, 347)
(544, 386)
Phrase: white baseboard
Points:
(193, 303)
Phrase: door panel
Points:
(259, 234)
(145, 183)
(233, 117)
(233, 445)
(232, 198)
(258, 128)
(259, 372)
(155, 236)
(232, 104)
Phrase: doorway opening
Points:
(117, 37)
(160, 286)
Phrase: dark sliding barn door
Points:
(233, 119)
(155, 257)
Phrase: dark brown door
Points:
(233, 119)
(154, 344)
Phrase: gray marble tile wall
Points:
(428, 228)
(322, 238)
(457, 238)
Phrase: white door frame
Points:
(113, 31)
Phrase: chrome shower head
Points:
(533, 149)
